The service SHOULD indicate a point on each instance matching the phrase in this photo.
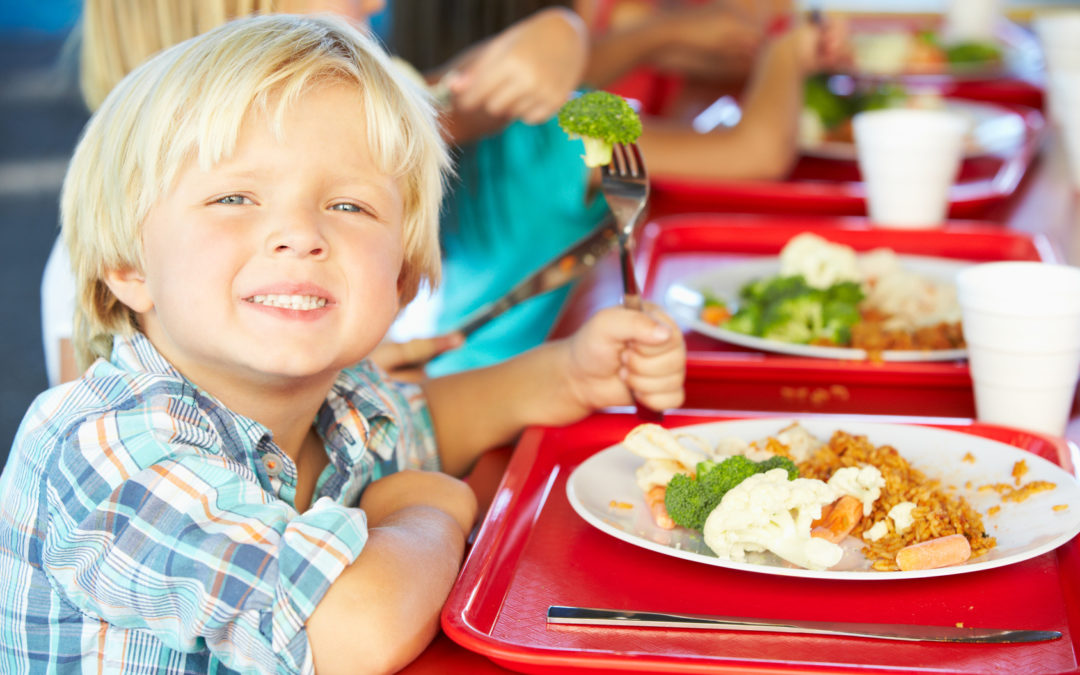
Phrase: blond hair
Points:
(118, 35)
(188, 104)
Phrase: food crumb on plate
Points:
(968, 457)
(992, 511)
(620, 505)
(1018, 471)
(1060, 507)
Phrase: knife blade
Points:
(560, 270)
(558, 614)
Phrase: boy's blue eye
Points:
(233, 199)
(347, 207)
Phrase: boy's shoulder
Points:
(115, 409)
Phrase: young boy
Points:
(224, 489)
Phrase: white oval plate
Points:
(1023, 530)
(992, 129)
(684, 299)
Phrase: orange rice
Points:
(937, 514)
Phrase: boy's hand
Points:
(403, 489)
(622, 354)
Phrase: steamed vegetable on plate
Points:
(799, 498)
(828, 295)
(830, 101)
(905, 51)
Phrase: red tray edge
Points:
(460, 630)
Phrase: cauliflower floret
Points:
(820, 262)
(864, 483)
(800, 442)
(876, 531)
(769, 512)
(657, 472)
(901, 516)
(729, 446)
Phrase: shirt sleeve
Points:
(192, 549)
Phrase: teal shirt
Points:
(520, 199)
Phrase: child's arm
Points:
(711, 37)
(616, 352)
(383, 610)
(764, 144)
(525, 72)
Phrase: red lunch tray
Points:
(726, 376)
(533, 551)
(828, 186)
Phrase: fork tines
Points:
(626, 160)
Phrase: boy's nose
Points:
(298, 236)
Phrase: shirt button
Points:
(272, 465)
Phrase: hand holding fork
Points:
(625, 184)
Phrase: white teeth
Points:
(298, 302)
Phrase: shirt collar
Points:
(344, 420)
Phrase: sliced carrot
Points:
(842, 517)
(655, 499)
(715, 314)
(932, 553)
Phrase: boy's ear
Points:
(129, 287)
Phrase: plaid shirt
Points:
(144, 527)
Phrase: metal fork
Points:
(625, 184)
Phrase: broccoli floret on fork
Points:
(601, 119)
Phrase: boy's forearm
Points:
(384, 608)
(476, 410)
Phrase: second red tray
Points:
(725, 376)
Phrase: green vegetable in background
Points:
(972, 52)
(600, 119)
(789, 310)
(831, 108)
(689, 501)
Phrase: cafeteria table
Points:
(1045, 203)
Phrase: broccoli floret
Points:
(846, 292)
(819, 97)
(839, 317)
(746, 320)
(600, 119)
(796, 319)
(690, 500)
(885, 95)
(972, 53)
(779, 462)
(719, 477)
(773, 289)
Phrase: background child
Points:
(245, 214)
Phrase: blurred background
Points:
(41, 116)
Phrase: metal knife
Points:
(562, 269)
(884, 631)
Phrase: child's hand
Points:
(621, 355)
(407, 488)
(406, 360)
(527, 71)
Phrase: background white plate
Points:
(992, 130)
(1023, 530)
(684, 299)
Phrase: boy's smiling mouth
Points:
(284, 301)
